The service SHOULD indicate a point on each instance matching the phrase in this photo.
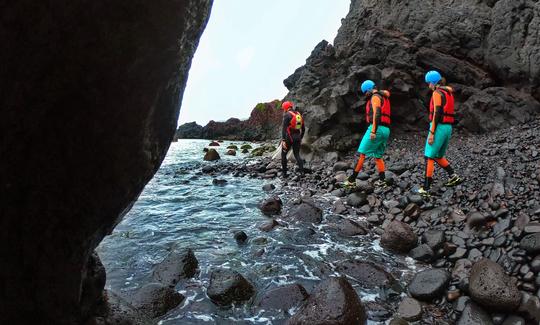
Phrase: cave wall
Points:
(90, 96)
(489, 50)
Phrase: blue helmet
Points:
(433, 77)
(367, 85)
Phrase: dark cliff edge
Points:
(488, 50)
(90, 98)
(264, 123)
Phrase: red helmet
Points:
(287, 106)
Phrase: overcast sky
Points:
(248, 48)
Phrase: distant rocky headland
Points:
(263, 124)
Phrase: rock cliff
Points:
(263, 124)
(90, 99)
(488, 50)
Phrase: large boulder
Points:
(490, 287)
(211, 155)
(283, 298)
(155, 299)
(367, 274)
(429, 284)
(178, 265)
(306, 212)
(227, 287)
(271, 206)
(333, 301)
(90, 98)
(399, 237)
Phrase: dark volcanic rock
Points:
(333, 301)
(357, 199)
(306, 212)
(491, 52)
(90, 93)
(422, 253)
(531, 243)
(410, 309)
(190, 130)
(349, 228)
(434, 238)
(492, 288)
(176, 266)
(93, 284)
(211, 155)
(398, 236)
(156, 300)
(283, 298)
(227, 287)
(240, 237)
(368, 274)
(429, 284)
(474, 315)
(271, 206)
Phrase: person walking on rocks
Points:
(376, 137)
(291, 136)
(441, 116)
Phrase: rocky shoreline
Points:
(478, 241)
(475, 246)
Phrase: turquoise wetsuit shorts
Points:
(443, 132)
(374, 148)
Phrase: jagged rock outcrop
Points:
(90, 98)
(263, 124)
(190, 130)
(488, 50)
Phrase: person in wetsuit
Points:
(442, 117)
(376, 137)
(291, 136)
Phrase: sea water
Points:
(181, 208)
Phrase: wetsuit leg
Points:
(296, 151)
(284, 157)
(445, 165)
(358, 167)
(381, 168)
(430, 168)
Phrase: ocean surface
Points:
(181, 208)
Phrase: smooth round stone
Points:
(410, 309)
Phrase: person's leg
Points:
(357, 168)
(430, 169)
(380, 168)
(445, 165)
(296, 151)
(284, 158)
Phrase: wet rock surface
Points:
(333, 301)
(155, 299)
(227, 287)
(177, 266)
(399, 237)
(283, 298)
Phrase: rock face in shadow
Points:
(90, 98)
(487, 50)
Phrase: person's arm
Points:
(285, 126)
(438, 111)
(303, 129)
(376, 105)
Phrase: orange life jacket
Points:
(385, 110)
(448, 107)
(296, 122)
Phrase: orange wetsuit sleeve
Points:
(437, 103)
(376, 104)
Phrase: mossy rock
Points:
(246, 146)
(232, 146)
(257, 152)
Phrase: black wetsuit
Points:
(293, 139)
